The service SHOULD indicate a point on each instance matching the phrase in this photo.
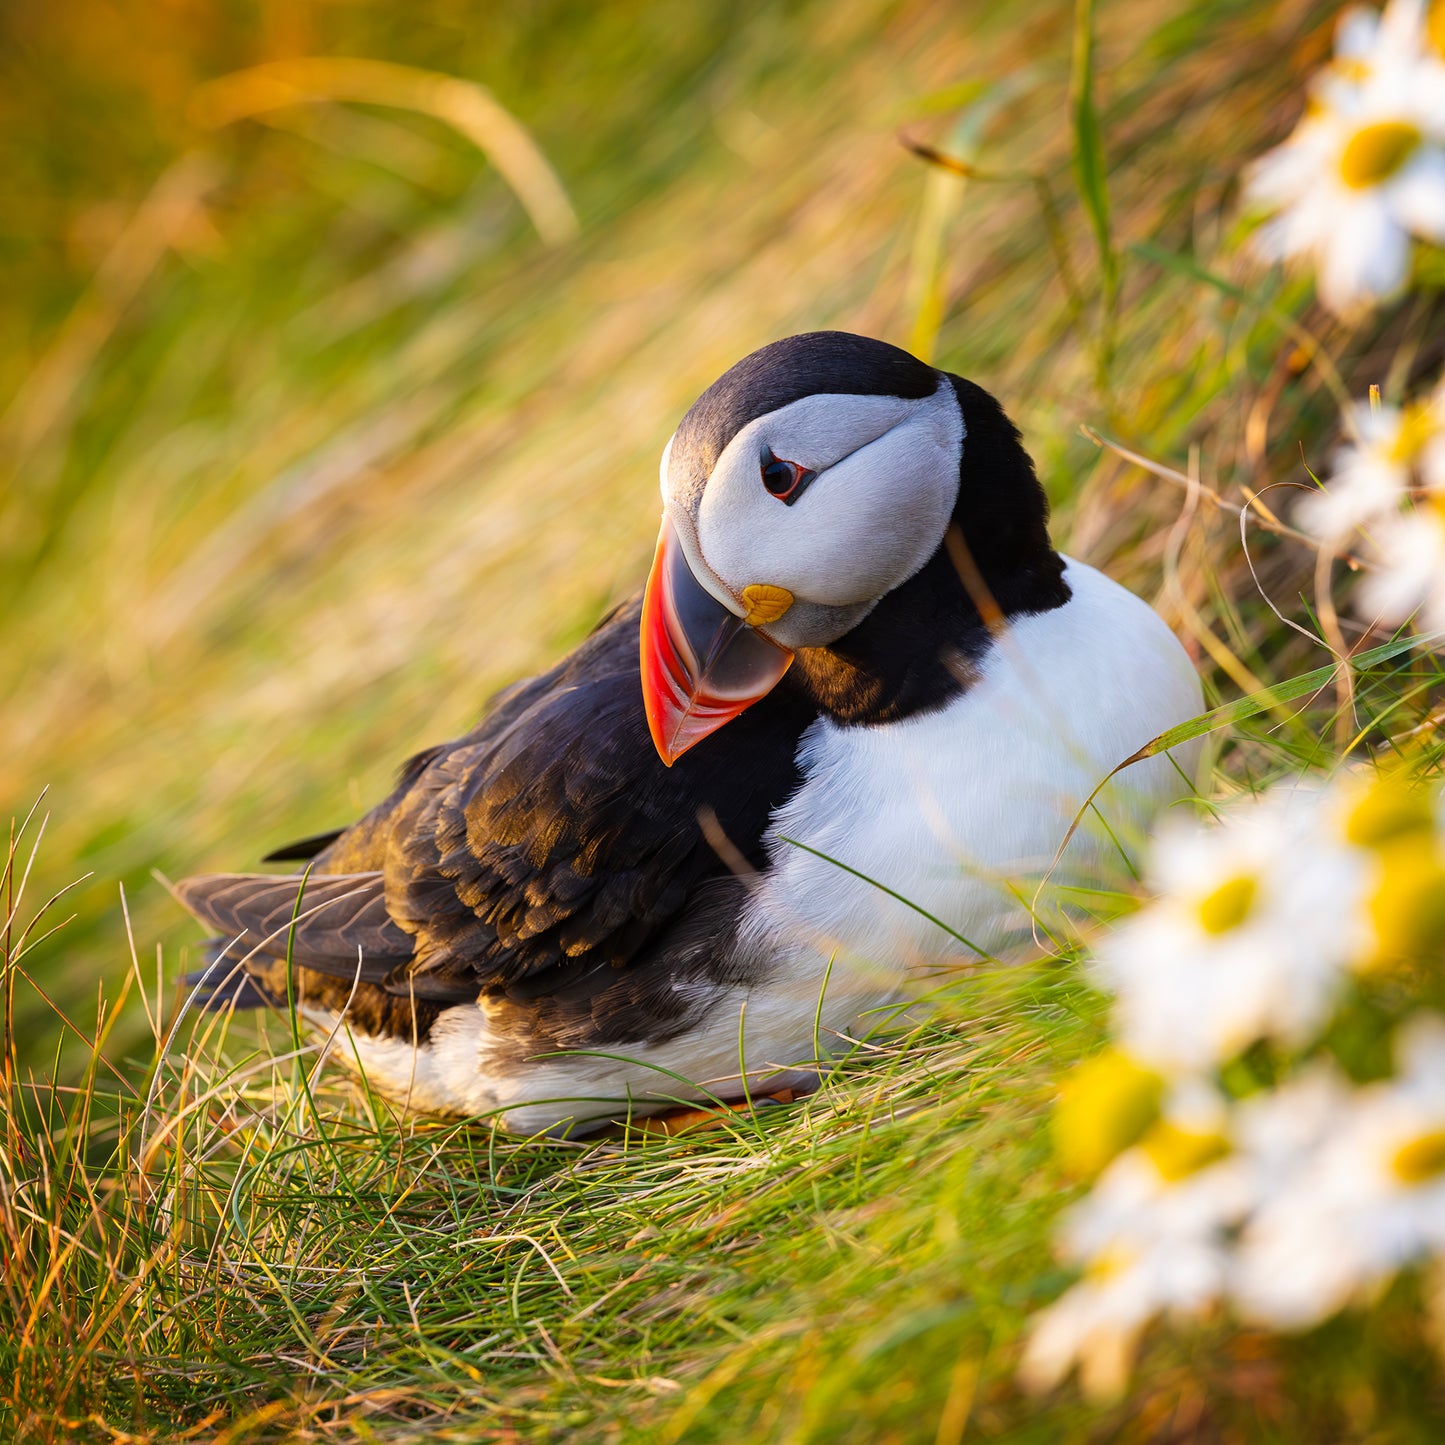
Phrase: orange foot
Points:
(685, 1121)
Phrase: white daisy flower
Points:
(1153, 1236)
(1389, 482)
(1354, 1183)
(1374, 474)
(1396, 823)
(1279, 1132)
(1410, 580)
(1257, 919)
(1097, 1323)
(1365, 168)
(1395, 41)
(1395, 452)
(1375, 809)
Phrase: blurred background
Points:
(330, 402)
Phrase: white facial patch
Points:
(886, 484)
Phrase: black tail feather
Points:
(224, 983)
(303, 848)
(339, 927)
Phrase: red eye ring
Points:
(783, 479)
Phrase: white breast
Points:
(961, 811)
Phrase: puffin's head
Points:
(806, 484)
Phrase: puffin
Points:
(818, 766)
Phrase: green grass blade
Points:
(1091, 176)
(1258, 702)
(884, 888)
(932, 257)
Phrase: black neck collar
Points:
(914, 651)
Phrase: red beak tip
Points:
(688, 641)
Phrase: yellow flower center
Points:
(1177, 1153)
(1105, 1105)
(1224, 909)
(1435, 26)
(1375, 152)
(1392, 808)
(1418, 425)
(1420, 1159)
(1408, 907)
(1109, 1262)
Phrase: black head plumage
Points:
(815, 363)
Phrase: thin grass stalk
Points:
(1091, 177)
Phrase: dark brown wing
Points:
(303, 848)
(549, 835)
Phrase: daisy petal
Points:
(1367, 257)
(1417, 197)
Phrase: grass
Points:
(281, 1262)
(236, 1254)
(330, 446)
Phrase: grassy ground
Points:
(311, 444)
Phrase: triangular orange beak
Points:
(702, 664)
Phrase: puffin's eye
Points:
(785, 480)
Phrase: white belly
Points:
(961, 811)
